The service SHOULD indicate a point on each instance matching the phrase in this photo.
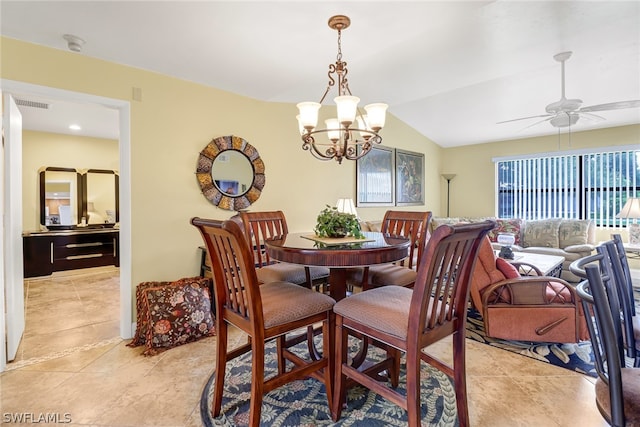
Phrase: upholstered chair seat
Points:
(631, 396)
(617, 387)
(412, 225)
(259, 226)
(293, 273)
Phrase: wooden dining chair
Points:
(400, 319)
(412, 225)
(617, 387)
(264, 312)
(259, 226)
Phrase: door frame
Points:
(124, 108)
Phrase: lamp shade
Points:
(376, 113)
(346, 206)
(347, 106)
(333, 129)
(308, 117)
(631, 209)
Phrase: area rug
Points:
(576, 357)
(304, 403)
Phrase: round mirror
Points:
(230, 173)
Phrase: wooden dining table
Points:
(338, 254)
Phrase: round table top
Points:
(376, 248)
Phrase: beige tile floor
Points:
(71, 361)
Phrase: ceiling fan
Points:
(567, 112)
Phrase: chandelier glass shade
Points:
(350, 135)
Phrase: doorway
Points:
(123, 108)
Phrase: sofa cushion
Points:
(511, 225)
(573, 232)
(577, 249)
(543, 233)
(438, 221)
(374, 225)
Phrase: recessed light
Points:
(75, 127)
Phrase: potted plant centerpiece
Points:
(332, 223)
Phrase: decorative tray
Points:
(330, 241)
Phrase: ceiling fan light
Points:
(564, 120)
(376, 115)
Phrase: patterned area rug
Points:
(304, 403)
(576, 357)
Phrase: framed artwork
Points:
(409, 178)
(375, 177)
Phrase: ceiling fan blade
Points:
(590, 116)
(538, 122)
(525, 118)
(611, 106)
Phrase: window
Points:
(581, 186)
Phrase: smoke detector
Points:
(74, 43)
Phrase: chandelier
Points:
(352, 134)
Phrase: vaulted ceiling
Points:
(450, 69)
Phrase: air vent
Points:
(33, 104)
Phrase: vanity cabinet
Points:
(46, 252)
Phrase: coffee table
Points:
(548, 265)
(632, 250)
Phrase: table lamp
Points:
(631, 210)
(346, 206)
(506, 240)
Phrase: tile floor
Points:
(71, 362)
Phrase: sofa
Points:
(568, 238)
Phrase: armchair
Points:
(531, 308)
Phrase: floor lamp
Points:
(448, 177)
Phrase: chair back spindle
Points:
(441, 291)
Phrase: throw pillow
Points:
(506, 268)
(541, 233)
(512, 225)
(173, 313)
(142, 312)
(573, 232)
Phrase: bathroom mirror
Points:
(68, 195)
(230, 173)
(100, 204)
(60, 197)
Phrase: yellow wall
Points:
(44, 149)
(472, 190)
(174, 121)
